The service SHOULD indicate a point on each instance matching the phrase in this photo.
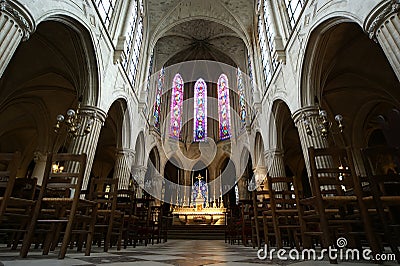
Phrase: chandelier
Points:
(324, 124)
(74, 121)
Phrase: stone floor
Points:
(174, 252)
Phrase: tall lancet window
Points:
(294, 8)
(157, 105)
(242, 99)
(106, 10)
(200, 111)
(224, 108)
(133, 42)
(176, 106)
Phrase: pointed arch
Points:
(176, 106)
(200, 111)
(224, 108)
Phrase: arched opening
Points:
(351, 76)
(175, 175)
(45, 77)
(109, 143)
(247, 181)
(288, 150)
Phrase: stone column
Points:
(277, 168)
(122, 168)
(383, 25)
(16, 25)
(315, 140)
(88, 143)
(139, 173)
(40, 165)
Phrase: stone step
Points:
(197, 232)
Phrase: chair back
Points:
(9, 163)
(382, 165)
(104, 191)
(287, 197)
(24, 188)
(65, 180)
(333, 172)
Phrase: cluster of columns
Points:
(383, 25)
(16, 25)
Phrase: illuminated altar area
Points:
(200, 212)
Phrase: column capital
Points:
(260, 170)
(273, 152)
(308, 111)
(379, 15)
(125, 151)
(21, 16)
(139, 168)
(39, 156)
(93, 111)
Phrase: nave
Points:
(173, 252)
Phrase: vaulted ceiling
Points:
(185, 30)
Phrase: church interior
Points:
(186, 132)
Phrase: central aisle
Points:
(174, 252)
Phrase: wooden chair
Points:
(60, 209)
(166, 220)
(126, 204)
(245, 225)
(233, 231)
(284, 211)
(109, 220)
(260, 205)
(16, 199)
(336, 208)
(382, 165)
(143, 225)
(155, 223)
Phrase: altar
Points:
(193, 216)
(199, 213)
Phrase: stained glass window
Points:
(200, 111)
(242, 99)
(294, 8)
(176, 106)
(224, 108)
(106, 9)
(157, 105)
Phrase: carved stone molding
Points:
(21, 16)
(379, 15)
(94, 112)
(308, 111)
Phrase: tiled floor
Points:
(174, 252)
